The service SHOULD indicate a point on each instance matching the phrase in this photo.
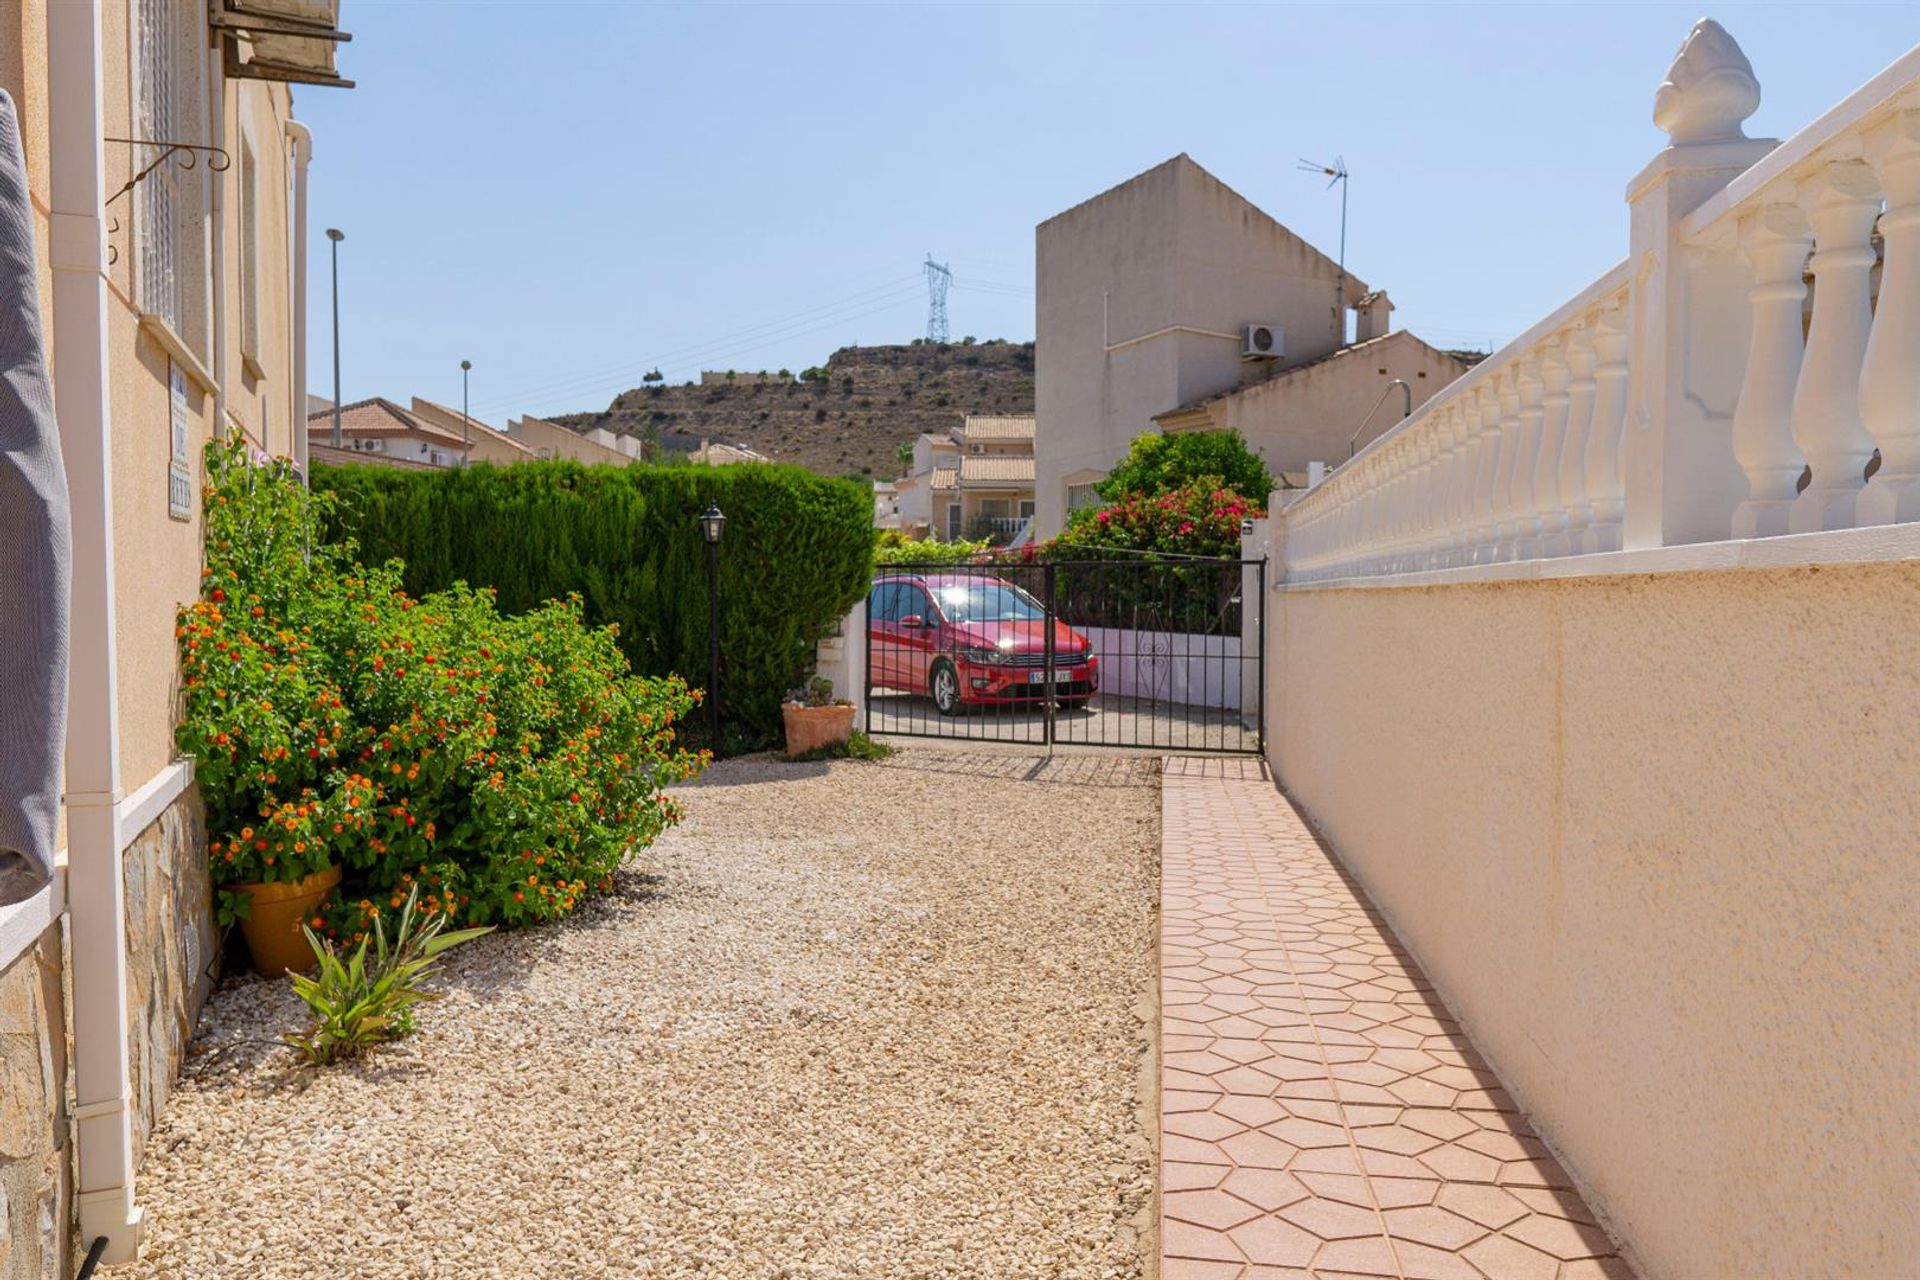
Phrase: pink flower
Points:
(1104, 516)
(1186, 527)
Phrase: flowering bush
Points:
(1156, 464)
(503, 766)
(1198, 519)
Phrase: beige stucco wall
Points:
(171, 943)
(1173, 246)
(156, 557)
(1657, 839)
(558, 442)
(1311, 414)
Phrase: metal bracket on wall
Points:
(218, 161)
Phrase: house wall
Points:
(1312, 414)
(171, 945)
(558, 442)
(1654, 836)
(1171, 247)
(483, 443)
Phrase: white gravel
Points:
(871, 1021)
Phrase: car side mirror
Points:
(913, 622)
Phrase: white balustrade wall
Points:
(1690, 394)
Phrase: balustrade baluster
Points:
(1452, 465)
(1549, 512)
(1890, 375)
(1526, 435)
(1841, 201)
(1573, 452)
(1775, 240)
(1439, 491)
(1604, 491)
(1486, 510)
(1505, 505)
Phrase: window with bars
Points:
(171, 221)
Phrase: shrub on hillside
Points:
(797, 552)
(503, 765)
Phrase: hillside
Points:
(850, 416)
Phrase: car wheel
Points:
(945, 684)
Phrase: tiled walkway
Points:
(1321, 1112)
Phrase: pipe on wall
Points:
(217, 239)
(302, 139)
(96, 907)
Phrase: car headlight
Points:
(984, 655)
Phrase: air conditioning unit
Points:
(1263, 342)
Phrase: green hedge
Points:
(798, 551)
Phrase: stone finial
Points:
(1709, 89)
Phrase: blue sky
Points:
(569, 194)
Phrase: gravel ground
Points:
(865, 1021)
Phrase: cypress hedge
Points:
(798, 551)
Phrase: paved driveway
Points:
(1105, 722)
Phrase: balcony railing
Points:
(1679, 398)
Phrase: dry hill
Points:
(852, 414)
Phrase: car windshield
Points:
(988, 602)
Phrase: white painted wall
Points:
(1168, 666)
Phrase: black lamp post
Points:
(712, 524)
(466, 422)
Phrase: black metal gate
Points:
(1160, 654)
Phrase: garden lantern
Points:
(712, 524)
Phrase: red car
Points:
(965, 639)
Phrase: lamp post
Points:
(466, 423)
(336, 235)
(712, 524)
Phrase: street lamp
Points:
(336, 235)
(712, 525)
(466, 423)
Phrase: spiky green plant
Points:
(361, 1001)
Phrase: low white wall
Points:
(1657, 840)
(842, 658)
(1168, 666)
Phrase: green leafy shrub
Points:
(798, 551)
(359, 1002)
(502, 765)
(858, 746)
(894, 547)
(1157, 464)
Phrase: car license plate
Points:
(1040, 677)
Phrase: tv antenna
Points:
(1336, 172)
(939, 279)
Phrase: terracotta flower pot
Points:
(811, 728)
(272, 928)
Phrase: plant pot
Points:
(272, 927)
(811, 728)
